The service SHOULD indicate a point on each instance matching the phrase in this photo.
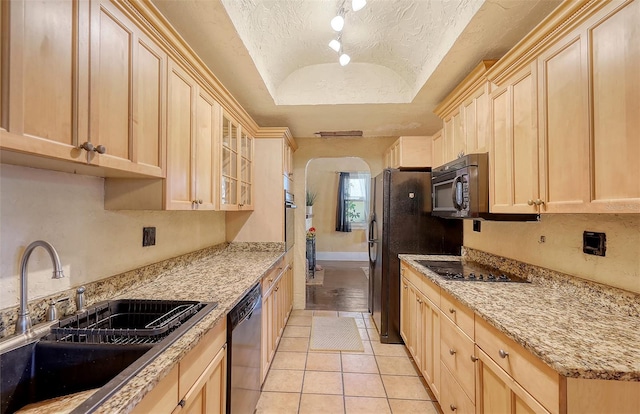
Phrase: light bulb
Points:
(358, 4)
(344, 59)
(335, 45)
(337, 23)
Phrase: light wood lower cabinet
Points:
(420, 326)
(452, 398)
(498, 392)
(197, 384)
(475, 368)
(277, 301)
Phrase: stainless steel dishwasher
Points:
(244, 341)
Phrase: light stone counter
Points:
(579, 329)
(222, 276)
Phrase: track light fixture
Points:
(337, 24)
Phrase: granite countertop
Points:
(579, 335)
(224, 277)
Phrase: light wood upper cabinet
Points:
(514, 151)
(235, 174)
(193, 127)
(614, 66)
(465, 115)
(437, 149)
(564, 129)
(192, 124)
(409, 152)
(82, 72)
(563, 135)
(48, 67)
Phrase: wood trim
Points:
(465, 88)
(277, 132)
(562, 20)
(157, 26)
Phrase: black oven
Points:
(289, 222)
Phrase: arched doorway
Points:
(337, 259)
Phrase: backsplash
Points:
(615, 300)
(555, 242)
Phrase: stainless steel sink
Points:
(102, 347)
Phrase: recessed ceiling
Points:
(406, 56)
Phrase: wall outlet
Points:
(594, 243)
(148, 236)
(477, 226)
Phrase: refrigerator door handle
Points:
(373, 240)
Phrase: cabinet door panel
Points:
(615, 68)
(500, 159)
(148, 98)
(565, 128)
(43, 76)
(111, 86)
(179, 132)
(525, 144)
(438, 149)
(204, 149)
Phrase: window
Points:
(357, 198)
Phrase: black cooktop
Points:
(468, 271)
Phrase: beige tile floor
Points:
(382, 379)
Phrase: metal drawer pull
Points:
(451, 310)
(452, 351)
(453, 407)
(503, 354)
(474, 358)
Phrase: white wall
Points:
(67, 211)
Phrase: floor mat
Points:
(330, 333)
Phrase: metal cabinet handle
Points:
(539, 202)
(418, 300)
(451, 310)
(453, 407)
(87, 146)
(452, 351)
(406, 287)
(100, 149)
(530, 202)
(503, 354)
(474, 358)
(200, 201)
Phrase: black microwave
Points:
(460, 188)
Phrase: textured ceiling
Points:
(394, 46)
(406, 56)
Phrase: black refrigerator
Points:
(401, 223)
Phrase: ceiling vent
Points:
(333, 134)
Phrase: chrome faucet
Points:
(23, 325)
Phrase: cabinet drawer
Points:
(199, 357)
(452, 397)
(541, 381)
(458, 313)
(271, 278)
(456, 351)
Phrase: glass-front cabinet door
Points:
(236, 167)
(229, 176)
(246, 171)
